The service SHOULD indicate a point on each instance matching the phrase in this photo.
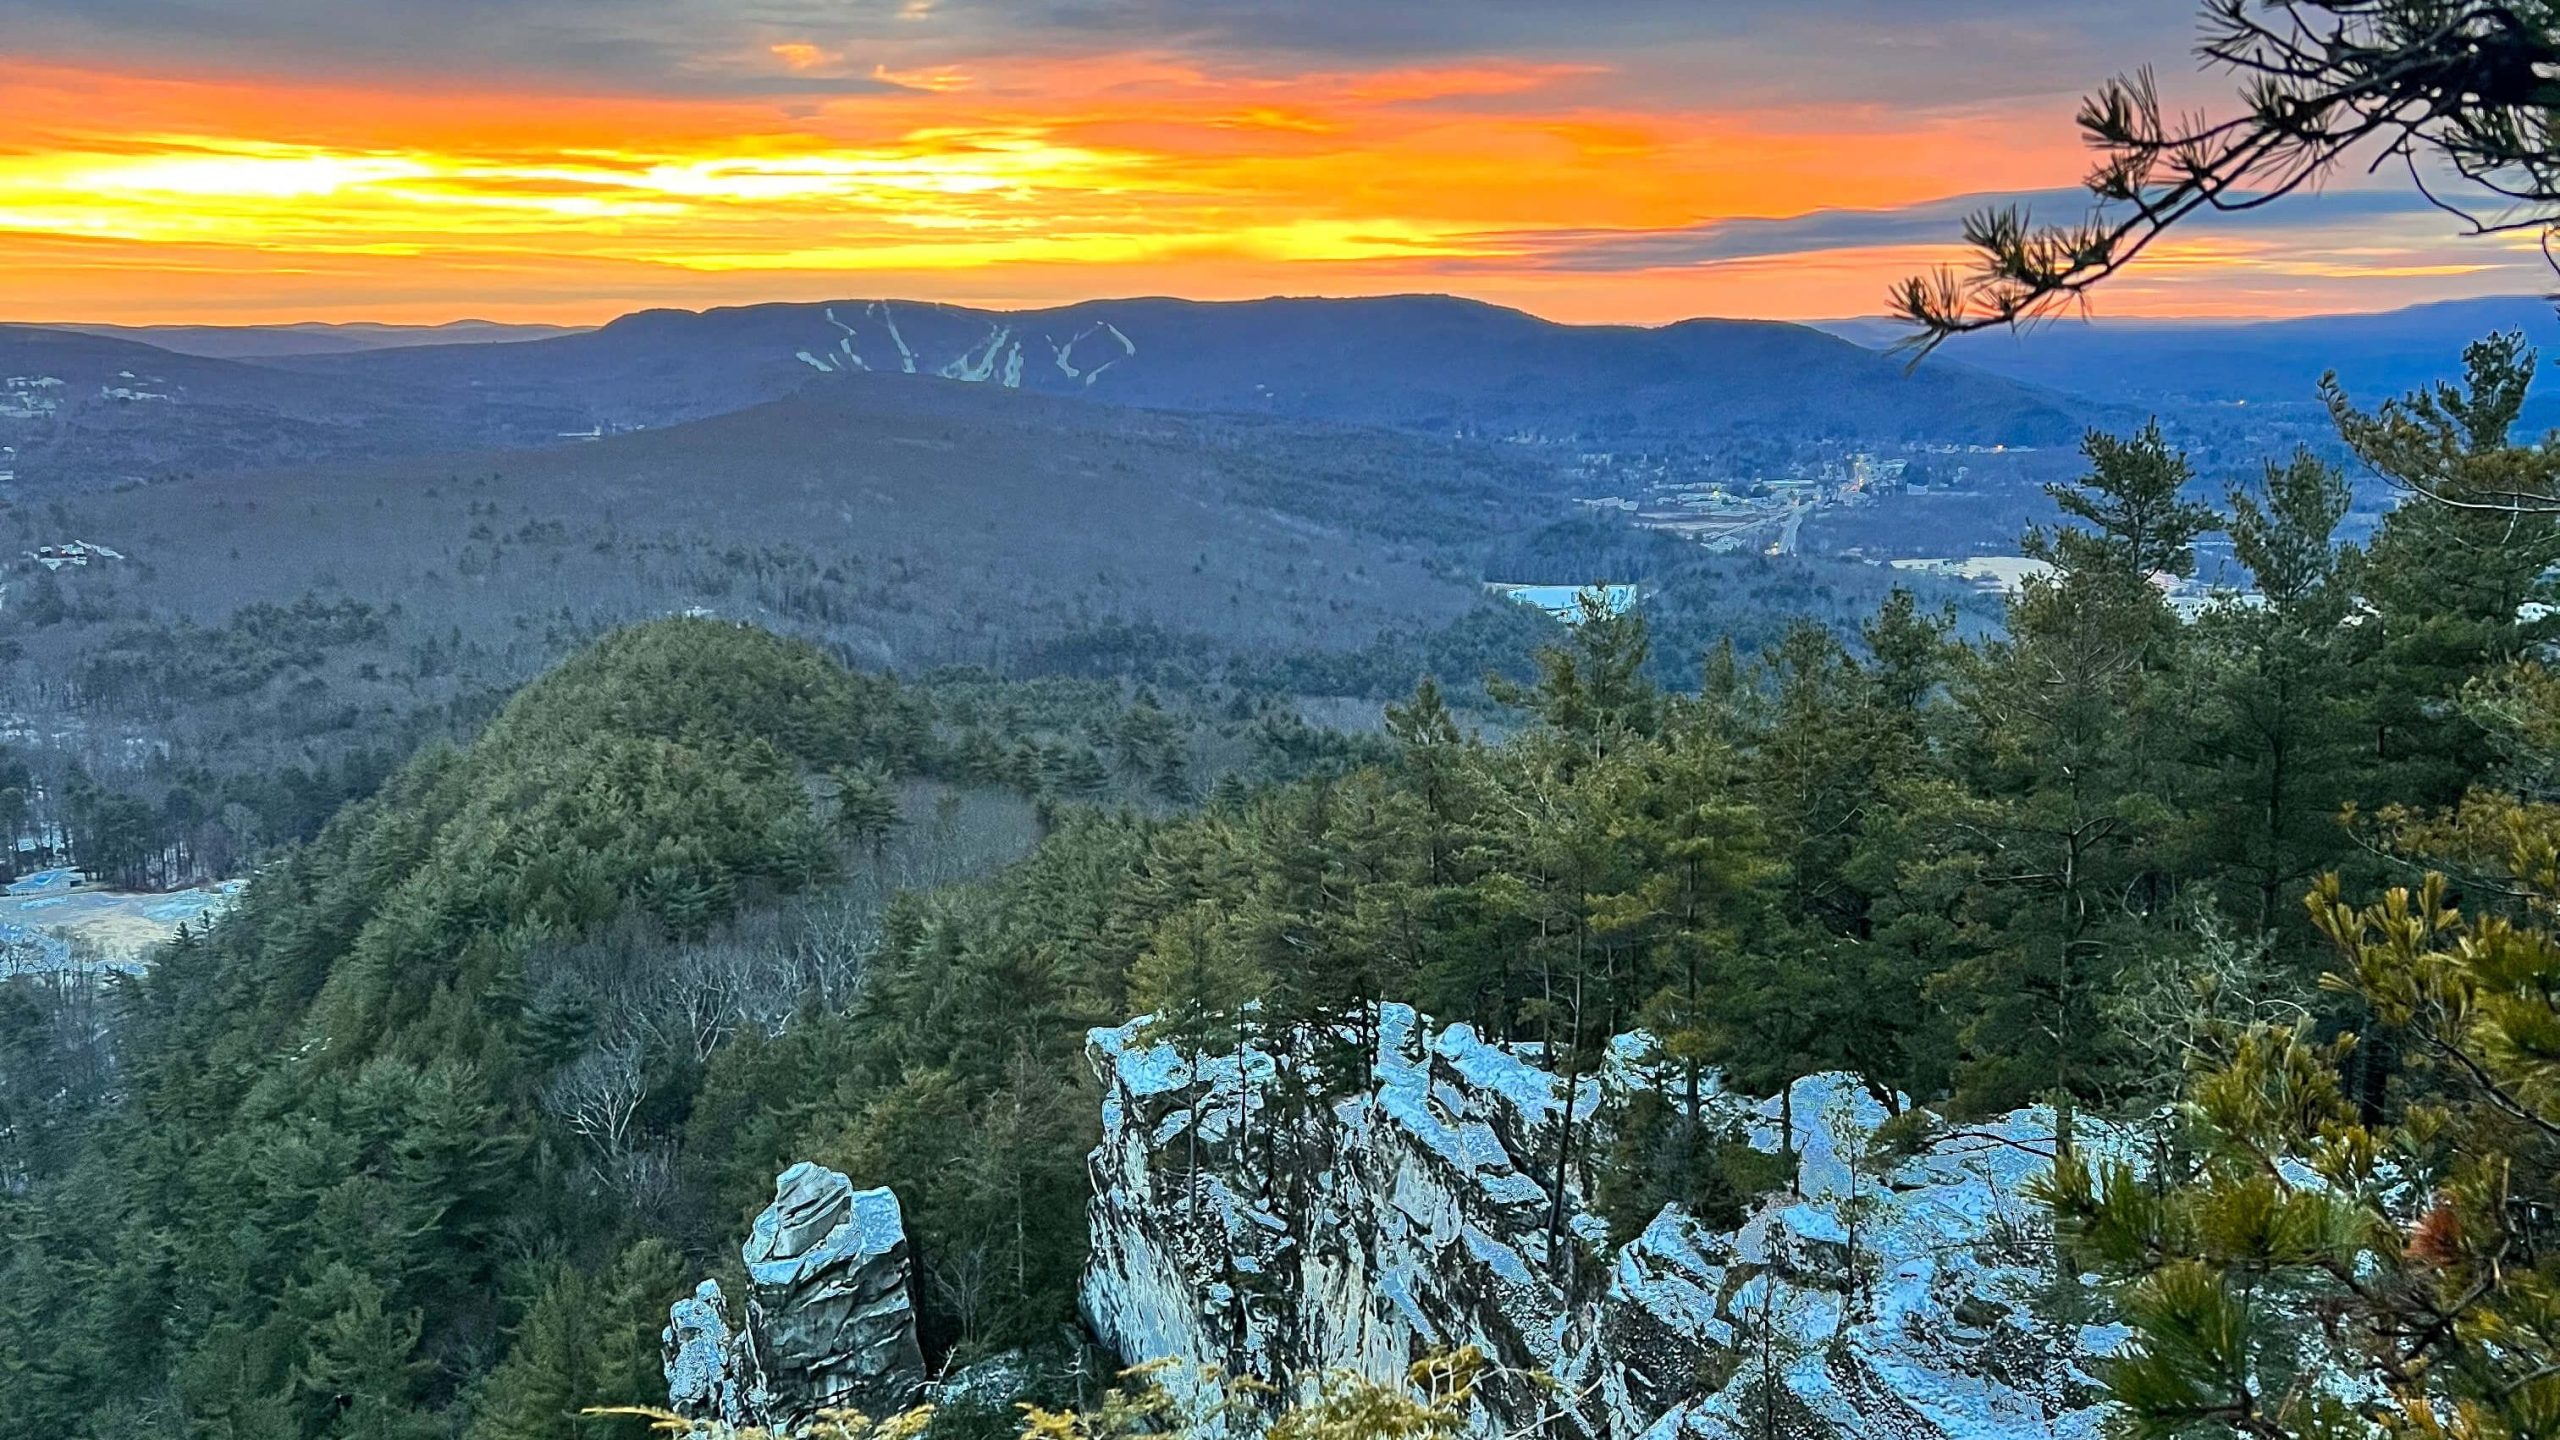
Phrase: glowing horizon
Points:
(1576, 185)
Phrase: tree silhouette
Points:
(2459, 91)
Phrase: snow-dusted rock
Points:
(1909, 1296)
(711, 1374)
(829, 1323)
(834, 1326)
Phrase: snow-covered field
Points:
(51, 922)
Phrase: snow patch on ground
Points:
(996, 357)
(51, 923)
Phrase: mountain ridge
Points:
(1426, 362)
(312, 337)
(2168, 361)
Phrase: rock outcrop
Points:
(829, 1322)
(1905, 1294)
(711, 1373)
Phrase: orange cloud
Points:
(988, 179)
(801, 55)
(937, 81)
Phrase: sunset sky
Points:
(568, 160)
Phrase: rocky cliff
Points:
(828, 1326)
(1898, 1289)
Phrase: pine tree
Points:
(1593, 686)
(2267, 714)
(2423, 1236)
(2448, 578)
(1083, 774)
(2135, 519)
(1024, 1172)
(588, 1341)
(360, 1372)
(2451, 89)
(866, 808)
(550, 1369)
(2069, 757)
(1192, 981)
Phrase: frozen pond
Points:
(1564, 602)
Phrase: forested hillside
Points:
(404, 1092)
(413, 1142)
(2053, 864)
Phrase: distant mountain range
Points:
(244, 399)
(313, 337)
(1046, 490)
(1429, 363)
(80, 411)
(91, 407)
(2178, 363)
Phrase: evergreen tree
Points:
(2267, 713)
(866, 806)
(2135, 519)
(2454, 89)
(360, 1373)
(1594, 685)
(587, 1342)
(2448, 579)
(2068, 758)
(1195, 985)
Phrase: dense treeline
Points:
(394, 1105)
(183, 814)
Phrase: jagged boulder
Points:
(835, 1327)
(829, 1325)
(1887, 1294)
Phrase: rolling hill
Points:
(908, 525)
(82, 412)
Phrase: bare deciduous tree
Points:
(598, 1095)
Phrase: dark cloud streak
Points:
(1949, 52)
(1934, 222)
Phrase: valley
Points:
(306, 539)
(270, 547)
